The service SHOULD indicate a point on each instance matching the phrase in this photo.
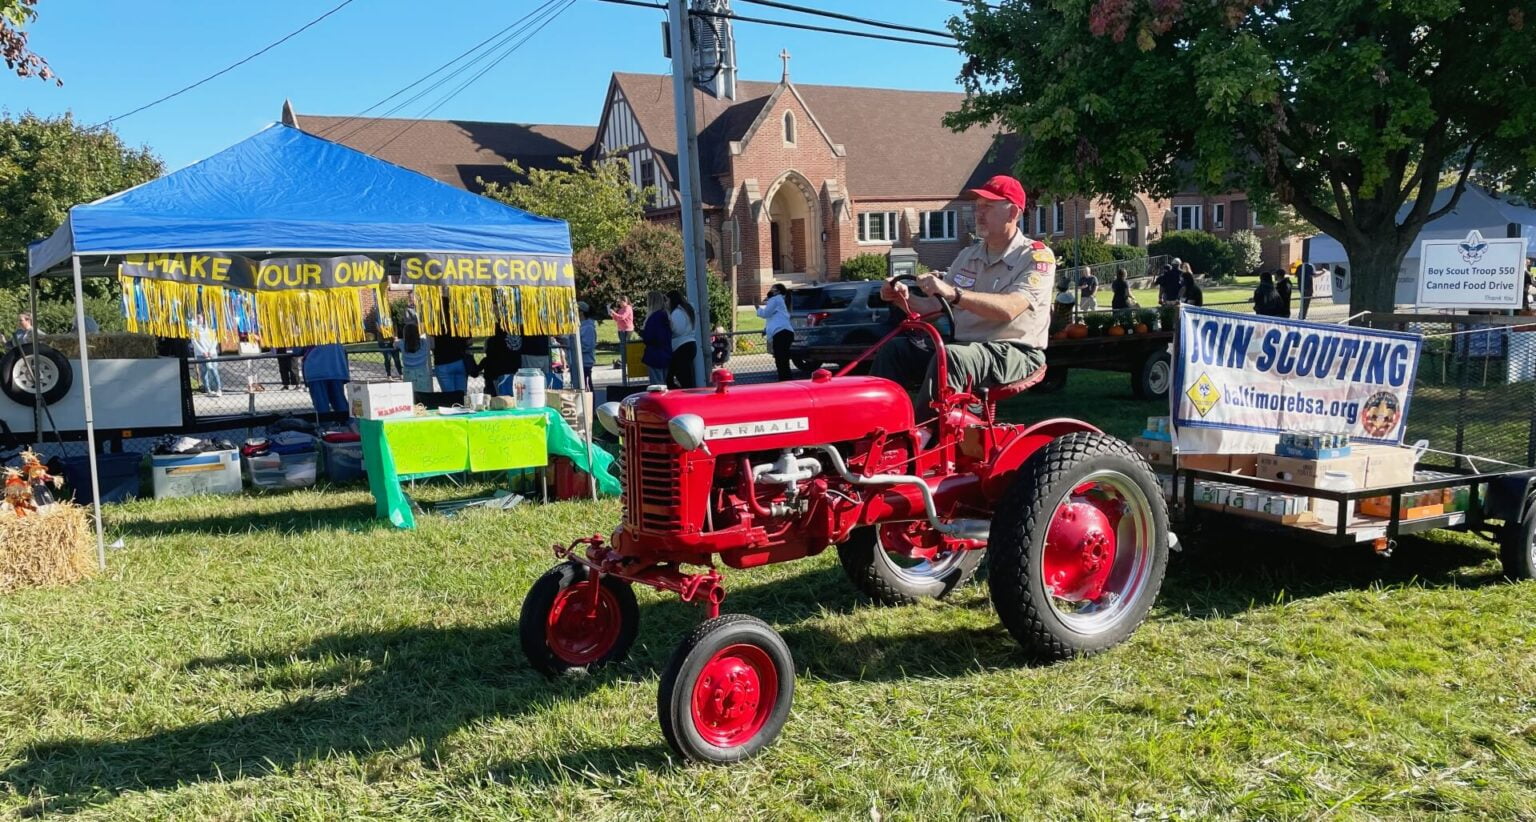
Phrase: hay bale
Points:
(110, 346)
(50, 546)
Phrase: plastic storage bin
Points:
(185, 475)
(117, 475)
(272, 471)
(343, 461)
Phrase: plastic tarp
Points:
(285, 190)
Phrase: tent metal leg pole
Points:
(37, 388)
(581, 402)
(90, 417)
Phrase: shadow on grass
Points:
(357, 694)
(358, 517)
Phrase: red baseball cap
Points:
(1001, 187)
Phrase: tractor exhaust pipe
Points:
(977, 529)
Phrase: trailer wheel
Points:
(1152, 379)
(1517, 546)
(727, 691)
(54, 377)
(889, 579)
(563, 634)
(1079, 546)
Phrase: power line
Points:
(337, 125)
(519, 25)
(823, 29)
(848, 17)
(231, 67)
(467, 83)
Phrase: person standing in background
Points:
(777, 328)
(1120, 291)
(500, 363)
(375, 329)
(685, 349)
(657, 336)
(285, 369)
(205, 346)
(25, 333)
(1088, 289)
(623, 321)
(1283, 290)
(448, 357)
(415, 350)
(326, 372)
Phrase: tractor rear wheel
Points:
(564, 633)
(1078, 547)
(727, 691)
(890, 579)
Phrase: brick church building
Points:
(795, 178)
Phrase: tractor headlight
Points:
(608, 416)
(687, 431)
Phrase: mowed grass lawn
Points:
(288, 657)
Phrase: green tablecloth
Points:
(404, 448)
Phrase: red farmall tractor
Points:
(1070, 521)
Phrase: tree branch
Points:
(1461, 184)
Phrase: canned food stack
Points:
(1239, 499)
(1313, 444)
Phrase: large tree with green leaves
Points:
(14, 16)
(48, 164)
(599, 201)
(1347, 111)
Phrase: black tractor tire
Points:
(1153, 377)
(16, 364)
(534, 631)
(1517, 546)
(1016, 550)
(751, 639)
(876, 573)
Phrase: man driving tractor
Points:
(999, 289)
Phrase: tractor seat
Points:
(998, 393)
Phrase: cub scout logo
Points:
(756, 428)
(1204, 394)
(963, 281)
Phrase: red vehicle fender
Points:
(1022, 446)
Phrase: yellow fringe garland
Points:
(476, 311)
(282, 319)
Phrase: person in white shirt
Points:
(685, 349)
(777, 328)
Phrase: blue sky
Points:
(116, 55)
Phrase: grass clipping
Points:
(50, 546)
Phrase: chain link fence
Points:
(1475, 395)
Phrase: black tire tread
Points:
(1022, 511)
(862, 565)
(1514, 547)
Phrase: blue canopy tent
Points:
(282, 191)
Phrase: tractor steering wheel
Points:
(949, 311)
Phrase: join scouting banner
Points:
(1242, 379)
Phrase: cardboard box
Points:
(1204, 462)
(1387, 465)
(1158, 453)
(1301, 518)
(381, 400)
(1309, 473)
(571, 404)
(1246, 465)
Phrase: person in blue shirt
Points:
(588, 330)
(777, 327)
(326, 372)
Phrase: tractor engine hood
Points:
(818, 411)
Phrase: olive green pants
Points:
(978, 364)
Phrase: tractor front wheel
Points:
(1078, 547)
(727, 691)
(890, 579)
(566, 630)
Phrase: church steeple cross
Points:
(784, 55)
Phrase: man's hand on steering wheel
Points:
(934, 286)
(897, 286)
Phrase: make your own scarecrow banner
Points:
(469, 295)
(287, 301)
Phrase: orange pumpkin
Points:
(1077, 331)
(1141, 328)
(1117, 331)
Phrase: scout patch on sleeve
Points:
(1043, 255)
(964, 281)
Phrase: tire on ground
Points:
(675, 703)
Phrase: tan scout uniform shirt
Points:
(1026, 265)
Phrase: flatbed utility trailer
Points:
(1144, 356)
(1507, 495)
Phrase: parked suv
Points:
(832, 320)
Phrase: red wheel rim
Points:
(578, 633)
(734, 695)
(1079, 549)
